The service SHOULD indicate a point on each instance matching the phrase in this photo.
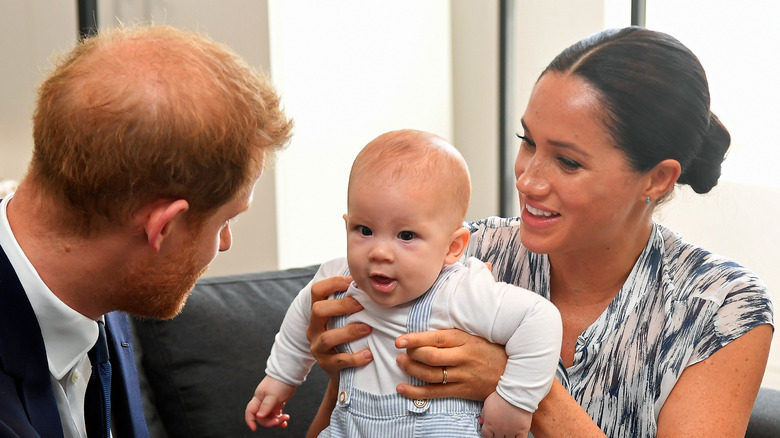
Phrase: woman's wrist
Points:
(560, 415)
(322, 419)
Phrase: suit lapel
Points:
(23, 353)
(126, 405)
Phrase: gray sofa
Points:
(199, 369)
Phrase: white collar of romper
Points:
(67, 334)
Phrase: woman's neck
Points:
(584, 283)
(597, 274)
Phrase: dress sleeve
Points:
(746, 304)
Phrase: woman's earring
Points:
(648, 199)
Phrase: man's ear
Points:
(159, 221)
(662, 178)
(460, 239)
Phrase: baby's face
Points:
(397, 239)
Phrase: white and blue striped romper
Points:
(361, 414)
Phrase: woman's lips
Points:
(535, 217)
(540, 212)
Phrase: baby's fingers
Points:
(269, 405)
(276, 418)
(250, 413)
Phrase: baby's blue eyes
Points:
(403, 235)
(406, 235)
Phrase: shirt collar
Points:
(67, 334)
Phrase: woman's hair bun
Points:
(703, 171)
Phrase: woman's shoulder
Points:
(713, 288)
(703, 273)
(496, 240)
(492, 231)
(493, 234)
(493, 224)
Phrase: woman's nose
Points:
(532, 178)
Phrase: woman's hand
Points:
(473, 364)
(323, 340)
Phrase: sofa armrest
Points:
(203, 366)
(765, 418)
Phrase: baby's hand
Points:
(502, 419)
(265, 408)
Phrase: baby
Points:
(407, 198)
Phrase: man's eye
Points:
(365, 230)
(406, 235)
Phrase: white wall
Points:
(737, 44)
(30, 33)
(475, 69)
(348, 71)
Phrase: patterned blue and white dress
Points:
(679, 305)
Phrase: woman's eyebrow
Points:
(525, 127)
(558, 143)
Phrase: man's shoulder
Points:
(13, 415)
(25, 389)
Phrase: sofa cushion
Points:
(204, 365)
(765, 418)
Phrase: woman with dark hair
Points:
(661, 338)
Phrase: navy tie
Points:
(97, 403)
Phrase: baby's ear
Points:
(460, 239)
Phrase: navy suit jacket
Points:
(27, 405)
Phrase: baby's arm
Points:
(530, 328)
(501, 418)
(290, 359)
(266, 406)
(533, 347)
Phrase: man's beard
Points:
(159, 289)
